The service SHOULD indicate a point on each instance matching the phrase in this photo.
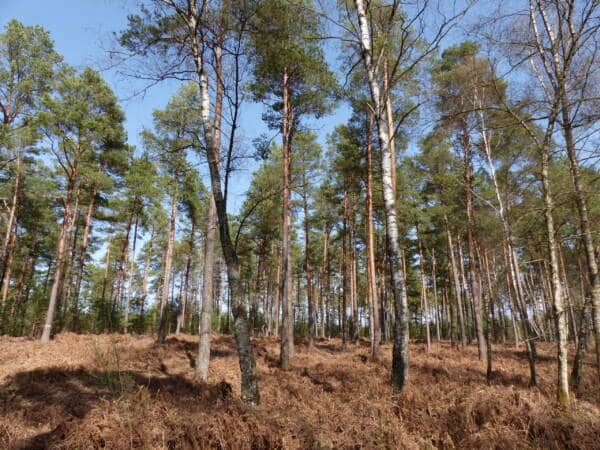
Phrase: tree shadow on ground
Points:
(216, 351)
(56, 396)
(521, 355)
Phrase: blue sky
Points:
(81, 30)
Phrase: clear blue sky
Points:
(81, 30)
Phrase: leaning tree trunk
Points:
(9, 238)
(400, 350)
(9, 266)
(249, 377)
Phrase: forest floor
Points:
(118, 392)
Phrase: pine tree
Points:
(82, 120)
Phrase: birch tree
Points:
(177, 35)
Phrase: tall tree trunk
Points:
(205, 331)
(438, 319)
(60, 250)
(82, 257)
(121, 276)
(424, 290)
(584, 224)
(73, 233)
(186, 284)
(486, 285)
(277, 296)
(164, 298)
(466, 293)
(584, 320)
(400, 350)
(557, 293)
(19, 285)
(287, 329)
(312, 309)
(9, 265)
(578, 361)
(249, 377)
(568, 298)
(374, 322)
(512, 307)
(511, 259)
(353, 282)
(474, 272)
(105, 277)
(457, 284)
(390, 122)
(130, 277)
(327, 281)
(346, 296)
(9, 239)
(206, 311)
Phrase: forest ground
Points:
(118, 391)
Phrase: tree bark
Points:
(511, 259)
(186, 284)
(130, 277)
(82, 257)
(424, 290)
(439, 317)
(206, 311)
(326, 282)
(400, 349)
(557, 293)
(164, 299)
(457, 284)
(287, 329)
(312, 310)
(249, 377)
(47, 330)
(205, 331)
(474, 272)
(355, 322)
(346, 296)
(8, 243)
(374, 322)
(584, 224)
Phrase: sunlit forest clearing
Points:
(300, 224)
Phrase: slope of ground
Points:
(120, 392)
